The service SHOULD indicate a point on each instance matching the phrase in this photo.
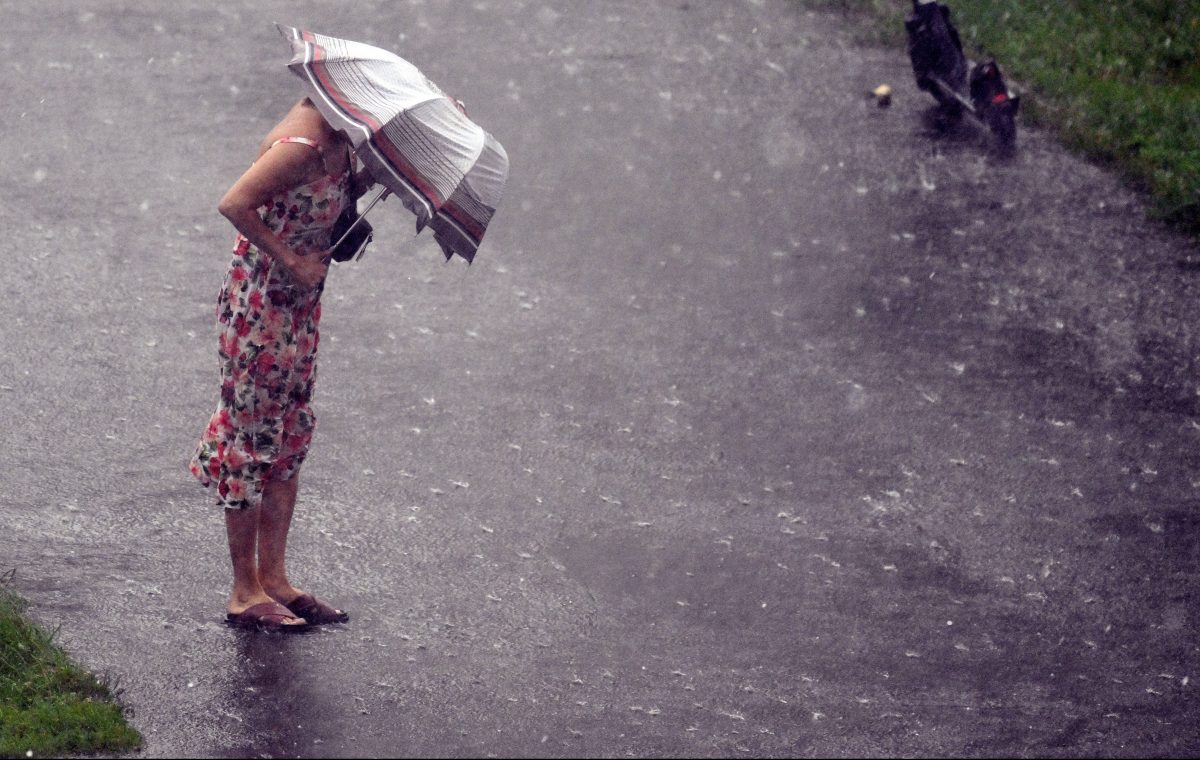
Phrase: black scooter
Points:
(958, 84)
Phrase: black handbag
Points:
(353, 245)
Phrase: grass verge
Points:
(48, 705)
(1117, 81)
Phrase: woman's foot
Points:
(315, 611)
(306, 606)
(274, 618)
(283, 592)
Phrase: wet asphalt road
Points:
(767, 423)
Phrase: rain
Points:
(765, 422)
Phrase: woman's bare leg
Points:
(274, 520)
(241, 526)
(242, 529)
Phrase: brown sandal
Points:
(266, 616)
(316, 612)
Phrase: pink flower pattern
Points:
(267, 344)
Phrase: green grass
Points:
(47, 704)
(1117, 81)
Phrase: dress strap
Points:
(305, 141)
(302, 140)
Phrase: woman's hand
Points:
(307, 271)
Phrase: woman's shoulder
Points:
(299, 125)
(291, 135)
(311, 145)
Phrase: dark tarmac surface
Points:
(765, 424)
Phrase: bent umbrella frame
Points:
(414, 139)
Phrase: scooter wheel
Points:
(948, 116)
(1003, 124)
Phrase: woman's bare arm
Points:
(279, 169)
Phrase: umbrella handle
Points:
(384, 193)
(378, 197)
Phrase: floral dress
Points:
(268, 350)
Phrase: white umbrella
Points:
(415, 140)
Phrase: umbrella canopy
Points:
(413, 137)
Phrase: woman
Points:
(268, 311)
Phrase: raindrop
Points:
(926, 182)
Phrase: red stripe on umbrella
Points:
(464, 220)
(411, 174)
(409, 133)
(332, 90)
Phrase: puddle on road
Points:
(276, 700)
